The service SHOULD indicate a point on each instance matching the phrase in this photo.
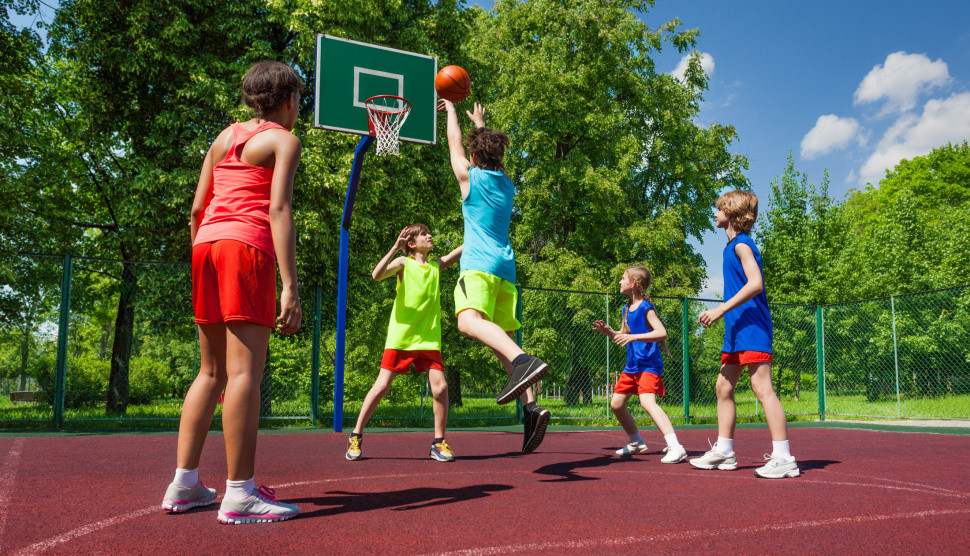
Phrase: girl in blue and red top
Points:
(241, 227)
(747, 341)
(643, 335)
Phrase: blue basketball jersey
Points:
(488, 214)
(641, 357)
(748, 326)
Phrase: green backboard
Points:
(350, 72)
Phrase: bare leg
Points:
(246, 345)
(202, 397)
(727, 415)
(618, 405)
(439, 393)
(377, 392)
(473, 324)
(528, 396)
(659, 416)
(774, 412)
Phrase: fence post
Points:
(685, 358)
(820, 361)
(518, 341)
(315, 356)
(60, 373)
(608, 342)
(892, 305)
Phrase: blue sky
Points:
(850, 86)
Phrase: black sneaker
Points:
(524, 374)
(535, 428)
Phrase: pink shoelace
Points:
(267, 492)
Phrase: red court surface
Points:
(860, 492)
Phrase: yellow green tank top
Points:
(416, 316)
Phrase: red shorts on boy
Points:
(400, 360)
(639, 383)
(231, 282)
(744, 357)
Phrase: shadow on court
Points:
(566, 471)
(396, 500)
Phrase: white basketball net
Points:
(386, 115)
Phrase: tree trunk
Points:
(118, 386)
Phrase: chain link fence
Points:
(103, 343)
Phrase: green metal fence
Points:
(74, 327)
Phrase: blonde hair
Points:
(642, 278)
(741, 208)
(412, 232)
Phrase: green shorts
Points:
(490, 295)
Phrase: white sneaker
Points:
(179, 499)
(632, 448)
(675, 454)
(778, 467)
(715, 460)
(261, 506)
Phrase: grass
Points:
(483, 411)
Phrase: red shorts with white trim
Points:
(639, 383)
(233, 281)
(400, 360)
(744, 357)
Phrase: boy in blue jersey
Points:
(747, 341)
(486, 297)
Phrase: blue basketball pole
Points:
(338, 373)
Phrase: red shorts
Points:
(639, 383)
(233, 281)
(400, 360)
(744, 357)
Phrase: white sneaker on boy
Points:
(675, 454)
(632, 448)
(778, 467)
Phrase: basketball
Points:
(453, 83)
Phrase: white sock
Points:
(780, 449)
(724, 446)
(186, 478)
(671, 440)
(635, 438)
(240, 490)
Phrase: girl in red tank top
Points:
(241, 222)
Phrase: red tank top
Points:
(239, 208)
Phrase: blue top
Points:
(641, 357)
(748, 326)
(488, 212)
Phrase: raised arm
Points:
(459, 162)
(451, 258)
(387, 267)
(754, 286)
(288, 152)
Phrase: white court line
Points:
(929, 487)
(697, 533)
(7, 475)
(48, 544)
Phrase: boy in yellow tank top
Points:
(413, 333)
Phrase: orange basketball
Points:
(453, 83)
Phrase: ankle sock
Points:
(781, 449)
(240, 490)
(724, 446)
(186, 478)
(672, 439)
(635, 438)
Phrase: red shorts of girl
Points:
(639, 383)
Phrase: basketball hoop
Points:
(385, 116)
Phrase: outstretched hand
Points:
(445, 104)
(602, 328)
(477, 115)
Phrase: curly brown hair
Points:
(487, 147)
(268, 84)
(741, 208)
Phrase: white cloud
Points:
(707, 64)
(830, 132)
(942, 121)
(900, 80)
